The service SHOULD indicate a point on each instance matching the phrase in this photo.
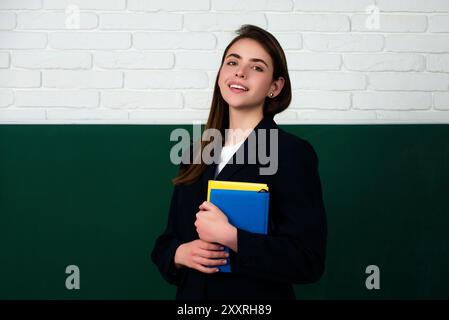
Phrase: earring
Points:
(271, 94)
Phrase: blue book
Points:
(245, 204)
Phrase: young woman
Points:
(252, 86)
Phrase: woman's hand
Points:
(212, 225)
(199, 254)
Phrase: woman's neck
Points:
(241, 123)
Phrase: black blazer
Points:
(265, 266)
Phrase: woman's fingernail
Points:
(226, 254)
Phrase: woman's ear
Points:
(276, 86)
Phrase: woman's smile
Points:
(237, 90)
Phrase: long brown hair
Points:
(219, 111)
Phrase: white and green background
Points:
(91, 89)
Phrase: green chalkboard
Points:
(97, 196)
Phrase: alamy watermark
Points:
(256, 147)
(373, 280)
(372, 21)
(72, 282)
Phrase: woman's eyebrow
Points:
(252, 59)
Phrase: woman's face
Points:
(246, 64)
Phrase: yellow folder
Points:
(235, 185)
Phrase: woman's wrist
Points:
(230, 237)
(176, 261)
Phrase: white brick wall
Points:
(152, 61)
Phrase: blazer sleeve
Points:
(164, 250)
(295, 248)
(166, 244)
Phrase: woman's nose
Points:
(240, 71)
(240, 74)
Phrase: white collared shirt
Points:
(226, 154)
